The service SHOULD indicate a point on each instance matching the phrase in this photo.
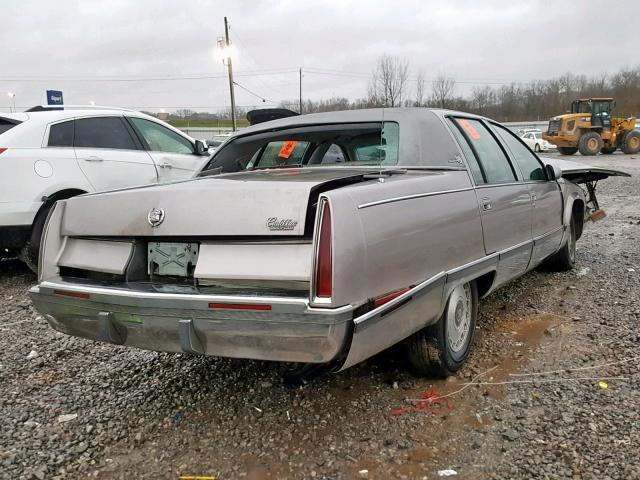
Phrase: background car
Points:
(536, 143)
(49, 155)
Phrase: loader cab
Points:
(600, 110)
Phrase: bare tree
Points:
(388, 81)
(443, 88)
(420, 90)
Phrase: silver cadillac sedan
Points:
(321, 239)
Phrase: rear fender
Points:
(573, 198)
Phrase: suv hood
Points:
(260, 203)
(577, 172)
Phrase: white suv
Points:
(48, 155)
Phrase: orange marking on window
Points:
(469, 128)
(287, 148)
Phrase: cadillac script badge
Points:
(275, 223)
(155, 216)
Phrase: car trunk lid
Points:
(269, 203)
(578, 172)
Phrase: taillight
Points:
(3, 149)
(378, 302)
(324, 269)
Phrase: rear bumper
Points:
(291, 331)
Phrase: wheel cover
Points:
(634, 142)
(592, 144)
(459, 311)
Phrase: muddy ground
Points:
(71, 408)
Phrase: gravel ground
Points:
(71, 408)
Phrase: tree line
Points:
(390, 86)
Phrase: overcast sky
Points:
(45, 44)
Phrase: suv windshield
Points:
(359, 144)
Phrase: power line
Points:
(247, 73)
(253, 93)
(141, 79)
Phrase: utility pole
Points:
(300, 91)
(230, 69)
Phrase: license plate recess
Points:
(172, 259)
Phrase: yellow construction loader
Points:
(590, 128)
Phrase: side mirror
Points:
(553, 172)
(201, 148)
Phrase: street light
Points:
(13, 98)
(227, 52)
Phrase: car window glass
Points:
(362, 144)
(61, 134)
(538, 136)
(334, 154)
(492, 159)
(530, 166)
(161, 139)
(280, 153)
(103, 132)
(528, 135)
(472, 161)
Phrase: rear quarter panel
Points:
(380, 248)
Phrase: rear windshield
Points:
(353, 144)
(6, 125)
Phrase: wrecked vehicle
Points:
(322, 239)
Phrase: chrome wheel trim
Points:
(459, 311)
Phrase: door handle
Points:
(166, 165)
(93, 158)
(486, 203)
(534, 197)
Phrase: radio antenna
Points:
(380, 179)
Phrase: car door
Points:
(109, 154)
(504, 201)
(546, 196)
(173, 154)
(528, 139)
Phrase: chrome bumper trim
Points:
(291, 331)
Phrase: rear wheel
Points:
(567, 150)
(590, 143)
(441, 349)
(565, 259)
(631, 142)
(31, 251)
(607, 150)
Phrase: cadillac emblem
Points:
(275, 224)
(155, 216)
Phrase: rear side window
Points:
(493, 162)
(472, 161)
(61, 134)
(6, 125)
(529, 165)
(103, 132)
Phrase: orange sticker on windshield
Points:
(469, 128)
(287, 148)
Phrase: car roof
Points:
(405, 114)
(49, 116)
